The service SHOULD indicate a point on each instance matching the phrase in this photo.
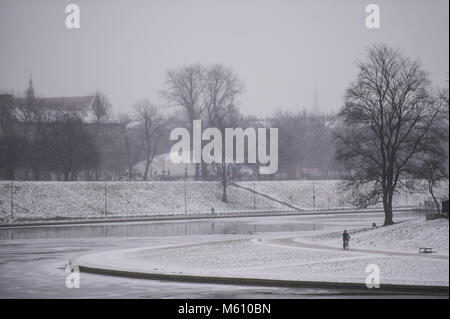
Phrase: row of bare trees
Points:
(40, 141)
(141, 134)
(393, 129)
(11, 144)
(63, 147)
(306, 141)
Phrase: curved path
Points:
(33, 262)
(125, 270)
(294, 242)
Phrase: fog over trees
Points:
(393, 128)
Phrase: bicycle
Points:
(346, 245)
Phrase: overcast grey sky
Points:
(284, 50)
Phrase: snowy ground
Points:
(81, 199)
(407, 236)
(328, 193)
(309, 255)
(51, 200)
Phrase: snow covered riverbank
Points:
(302, 256)
(33, 200)
(53, 200)
(328, 193)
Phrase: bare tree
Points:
(10, 143)
(434, 171)
(227, 171)
(30, 115)
(184, 88)
(101, 108)
(72, 147)
(7, 116)
(36, 133)
(132, 145)
(433, 165)
(150, 126)
(221, 90)
(388, 114)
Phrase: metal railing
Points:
(12, 210)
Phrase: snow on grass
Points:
(283, 255)
(407, 236)
(398, 270)
(328, 193)
(246, 258)
(82, 199)
(38, 200)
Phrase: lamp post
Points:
(254, 196)
(185, 197)
(12, 200)
(314, 196)
(105, 198)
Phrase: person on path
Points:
(346, 238)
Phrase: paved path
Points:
(294, 242)
(99, 263)
(268, 197)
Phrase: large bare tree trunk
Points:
(388, 216)
(387, 206)
(436, 202)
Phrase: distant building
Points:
(162, 167)
(81, 106)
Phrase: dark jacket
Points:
(345, 236)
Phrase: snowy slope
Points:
(407, 236)
(328, 194)
(64, 199)
(81, 199)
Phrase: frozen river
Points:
(33, 259)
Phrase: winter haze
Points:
(287, 52)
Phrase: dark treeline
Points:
(306, 145)
(42, 142)
(39, 141)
